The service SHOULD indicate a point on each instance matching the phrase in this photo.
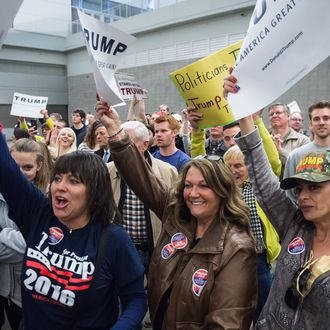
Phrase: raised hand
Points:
(108, 116)
(278, 141)
(44, 112)
(257, 114)
(230, 84)
(193, 117)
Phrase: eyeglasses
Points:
(276, 113)
(296, 119)
(299, 284)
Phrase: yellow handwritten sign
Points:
(200, 84)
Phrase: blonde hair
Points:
(29, 146)
(73, 146)
(234, 153)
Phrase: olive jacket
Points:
(296, 234)
(208, 285)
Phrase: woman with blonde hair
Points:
(266, 237)
(65, 142)
(34, 161)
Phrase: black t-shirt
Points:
(80, 134)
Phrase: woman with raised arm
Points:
(299, 296)
(78, 263)
(202, 274)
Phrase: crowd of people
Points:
(223, 228)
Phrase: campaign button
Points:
(55, 235)
(200, 277)
(197, 290)
(296, 246)
(179, 241)
(167, 251)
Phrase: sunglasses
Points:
(299, 285)
(210, 157)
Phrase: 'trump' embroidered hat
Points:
(314, 167)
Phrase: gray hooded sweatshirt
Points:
(12, 248)
(296, 235)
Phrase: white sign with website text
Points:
(285, 41)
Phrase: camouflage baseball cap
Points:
(314, 167)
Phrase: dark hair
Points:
(219, 178)
(96, 124)
(20, 133)
(90, 138)
(318, 105)
(81, 113)
(233, 124)
(150, 128)
(90, 169)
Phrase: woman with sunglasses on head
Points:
(78, 263)
(266, 238)
(299, 297)
(205, 241)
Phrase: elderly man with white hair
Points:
(142, 225)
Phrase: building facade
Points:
(47, 56)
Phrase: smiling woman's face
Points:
(66, 138)
(201, 200)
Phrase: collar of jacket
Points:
(292, 135)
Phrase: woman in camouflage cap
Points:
(300, 294)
